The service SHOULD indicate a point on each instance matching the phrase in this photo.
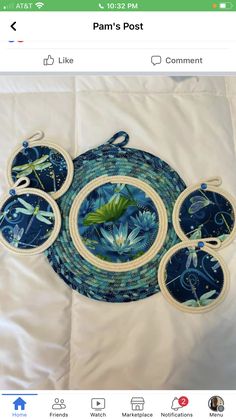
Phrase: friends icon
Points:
(58, 404)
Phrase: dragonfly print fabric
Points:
(118, 222)
(205, 214)
(26, 221)
(45, 167)
(193, 277)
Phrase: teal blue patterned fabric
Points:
(26, 221)
(112, 159)
(118, 222)
(45, 167)
(206, 214)
(193, 277)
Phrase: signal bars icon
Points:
(9, 6)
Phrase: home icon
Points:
(19, 404)
(137, 403)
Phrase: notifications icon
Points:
(179, 403)
(156, 59)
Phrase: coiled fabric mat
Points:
(110, 159)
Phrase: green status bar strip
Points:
(126, 6)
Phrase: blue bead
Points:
(25, 144)
(201, 244)
(12, 192)
(203, 186)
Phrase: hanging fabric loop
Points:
(119, 134)
(214, 181)
(21, 183)
(37, 136)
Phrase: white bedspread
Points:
(53, 338)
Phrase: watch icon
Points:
(98, 404)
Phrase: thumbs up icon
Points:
(48, 61)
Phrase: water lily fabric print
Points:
(194, 277)
(118, 222)
(26, 221)
(206, 214)
(45, 167)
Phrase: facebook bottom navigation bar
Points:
(117, 404)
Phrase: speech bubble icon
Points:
(156, 59)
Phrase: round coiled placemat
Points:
(114, 159)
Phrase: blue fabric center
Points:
(45, 167)
(206, 214)
(26, 221)
(193, 277)
(118, 222)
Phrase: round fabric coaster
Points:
(114, 159)
(30, 219)
(118, 223)
(193, 277)
(205, 211)
(48, 166)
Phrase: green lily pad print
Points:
(118, 222)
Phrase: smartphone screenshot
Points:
(117, 209)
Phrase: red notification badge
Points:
(183, 401)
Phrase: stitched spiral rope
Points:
(114, 159)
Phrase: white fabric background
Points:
(53, 338)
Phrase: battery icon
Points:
(226, 6)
